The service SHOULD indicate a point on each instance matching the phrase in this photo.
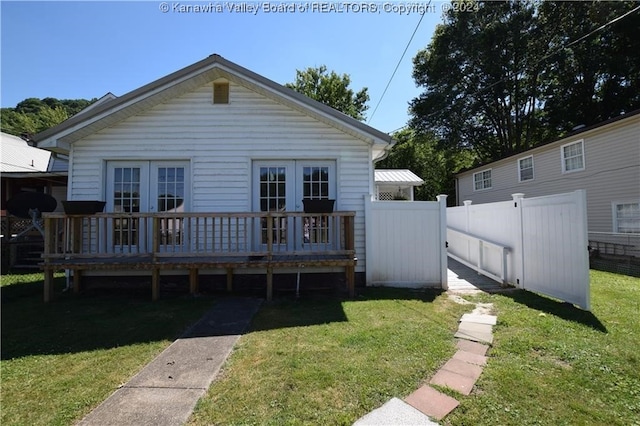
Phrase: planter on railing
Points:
(318, 206)
(83, 206)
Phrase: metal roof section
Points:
(16, 156)
(396, 177)
(112, 111)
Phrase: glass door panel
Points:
(169, 197)
(317, 182)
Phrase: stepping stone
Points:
(463, 368)
(454, 381)
(431, 402)
(470, 358)
(395, 412)
(482, 333)
(472, 347)
(479, 319)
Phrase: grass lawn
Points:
(62, 359)
(321, 360)
(311, 362)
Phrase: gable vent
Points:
(221, 93)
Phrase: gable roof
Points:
(112, 111)
(397, 177)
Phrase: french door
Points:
(145, 187)
(280, 186)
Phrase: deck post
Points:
(193, 281)
(155, 284)
(269, 283)
(351, 281)
(229, 280)
(48, 284)
(77, 276)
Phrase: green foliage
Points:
(34, 115)
(436, 165)
(598, 77)
(331, 89)
(500, 80)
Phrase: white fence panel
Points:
(555, 245)
(498, 223)
(406, 243)
(546, 238)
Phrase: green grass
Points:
(554, 364)
(322, 360)
(330, 361)
(62, 359)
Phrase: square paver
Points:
(477, 332)
(470, 358)
(463, 368)
(480, 319)
(472, 347)
(454, 381)
(431, 402)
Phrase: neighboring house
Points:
(603, 159)
(24, 168)
(27, 168)
(216, 137)
(396, 184)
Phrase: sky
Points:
(73, 49)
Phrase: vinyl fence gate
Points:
(406, 243)
(538, 244)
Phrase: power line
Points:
(399, 62)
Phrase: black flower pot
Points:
(318, 206)
(83, 207)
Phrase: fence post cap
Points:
(467, 202)
(517, 196)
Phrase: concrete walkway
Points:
(166, 391)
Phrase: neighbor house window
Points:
(626, 218)
(525, 168)
(482, 180)
(572, 157)
(221, 93)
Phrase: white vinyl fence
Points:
(405, 243)
(538, 244)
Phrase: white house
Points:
(216, 137)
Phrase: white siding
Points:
(221, 141)
(612, 172)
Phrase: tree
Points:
(480, 80)
(331, 89)
(421, 154)
(598, 77)
(505, 76)
(34, 115)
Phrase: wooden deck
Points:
(197, 241)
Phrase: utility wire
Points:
(398, 64)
